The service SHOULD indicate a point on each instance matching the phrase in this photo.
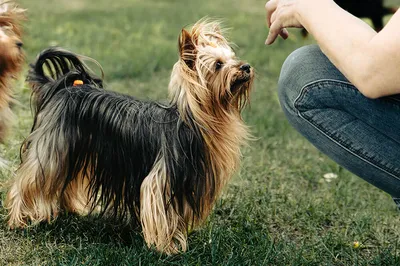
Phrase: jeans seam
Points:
(302, 92)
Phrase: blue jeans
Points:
(361, 134)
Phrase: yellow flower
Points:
(356, 244)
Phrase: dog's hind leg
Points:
(28, 200)
(75, 197)
(35, 192)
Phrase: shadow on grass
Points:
(90, 240)
(72, 228)
(234, 235)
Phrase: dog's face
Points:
(227, 78)
(208, 62)
(11, 53)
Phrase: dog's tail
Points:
(56, 69)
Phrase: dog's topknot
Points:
(56, 68)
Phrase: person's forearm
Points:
(342, 37)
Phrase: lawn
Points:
(278, 210)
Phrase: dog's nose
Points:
(19, 44)
(245, 67)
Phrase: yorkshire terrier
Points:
(158, 166)
(11, 59)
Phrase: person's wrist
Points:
(303, 7)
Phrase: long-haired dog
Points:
(157, 166)
(11, 59)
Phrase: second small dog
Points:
(11, 59)
(157, 166)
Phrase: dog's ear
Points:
(12, 16)
(11, 10)
(187, 48)
(217, 29)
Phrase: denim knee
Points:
(302, 67)
(335, 117)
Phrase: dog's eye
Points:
(218, 65)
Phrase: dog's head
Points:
(11, 53)
(208, 74)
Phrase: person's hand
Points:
(280, 15)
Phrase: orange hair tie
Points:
(78, 82)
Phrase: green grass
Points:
(278, 210)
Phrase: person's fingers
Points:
(270, 8)
(272, 37)
(276, 27)
(284, 33)
(273, 16)
(274, 31)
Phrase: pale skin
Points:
(369, 60)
